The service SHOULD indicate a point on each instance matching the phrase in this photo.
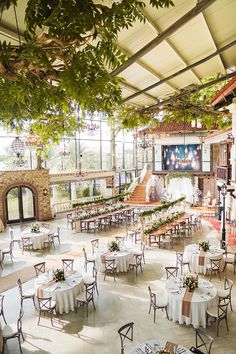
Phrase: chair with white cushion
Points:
(226, 293)
(8, 251)
(157, 303)
(88, 259)
(230, 258)
(46, 306)
(11, 331)
(86, 297)
(181, 262)
(136, 263)
(89, 280)
(15, 236)
(2, 308)
(219, 313)
(26, 294)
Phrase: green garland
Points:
(91, 214)
(162, 207)
(161, 222)
(100, 200)
(173, 175)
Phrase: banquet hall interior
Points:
(117, 176)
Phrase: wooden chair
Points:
(56, 235)
(203, 340)
(49, 242)
(171, 272)
(226, 293)
(70, 220)
(46, 306)
(161, 303)
(88, 259)
(40, 268)
(15, 236)
(92, 280)
(230, 260)
(180, 261)
(110, 268)
(45, 225)
(214, 267)
(27, 244)
(218, 313)
(68, 264)
(86, 297)
(95, 244)
(136, 263)
(2, 308)
(120, 240)
(8, 251)
(24, 295)
(126, 332)
(11, 331)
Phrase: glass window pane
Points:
(13, 204)
(28, 203)
(90, 155)
(106, 155)
(129, 156)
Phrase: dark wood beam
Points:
(201, 6)
(199, 62)
(187, 92)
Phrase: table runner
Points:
(202, 256)
(186, 303)
(50, 283)
(170, 347)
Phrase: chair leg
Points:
(19, 344)
(4, 318)
(154, 314)
(167, 313)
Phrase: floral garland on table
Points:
(113, 246)
(190, 282)
(204, 245)
(162, 207)
(35, 228)
(100, 200)
(59, 275)
(173, 175)
(161, 222)
(91, 214)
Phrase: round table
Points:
(203, 297)
(37, 238)
(121, 257)
(192, 253)
(63, 292)
(152, 346)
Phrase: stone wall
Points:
(37, 181)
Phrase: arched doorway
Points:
(20, 204)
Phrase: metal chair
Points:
(95, 244)
(1, 308)
(46, 306)
(110, 268)
(40, 268)
(27, 244)
(68, 264)
(218, 313)
(171, 272)
(126, 332)
(226, 293)
(88, 259)
(136, 263)
(180, 261)
(202, 340)
(8, 251)
(214, 266)
(11, 331)
(24, 295)
(161, 303)
(86, 297)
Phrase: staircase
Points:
(139, 194)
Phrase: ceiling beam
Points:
(133, 88)
(199, 62)
(157, 29)
(193, 90)
(201, 6)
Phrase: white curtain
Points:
(181, 186)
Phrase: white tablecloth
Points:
(63, 292)
(152, 346)
(191, 254)
(203, 297)
(122, 257)
(36, 238)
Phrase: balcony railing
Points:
(224, 173)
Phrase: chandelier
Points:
(91, 128)
(80, 174)
(18, 147)
(184, 160)
(146, 142)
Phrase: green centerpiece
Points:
(190, 282)
(59, 275)
(204, 245)
(35, 228)
(113, 246)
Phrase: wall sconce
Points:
(230, 138)
(45, 192)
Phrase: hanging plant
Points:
(181, 175)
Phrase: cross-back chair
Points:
(214, 267)
(27, 294)
(136, 263)
(95, 244)
(180, 261)
(202, 340)
(219, 313)
(110, 268)
(86, 297)
(126, 332)
(2, 308)
(171, 272)
(157, 304)
(40, 268)
(46, 306)
(11, 331)
(68, 264)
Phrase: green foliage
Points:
(173, 175)
(162, 222)
(100, 200)
(86, 192)
(162, 207)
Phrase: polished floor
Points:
(119, 302)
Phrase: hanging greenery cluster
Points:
(64, 60)
(162, 222)
(172, 175)
(119, 197)
(162, 207)
(97, 212)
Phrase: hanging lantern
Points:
(18, 146)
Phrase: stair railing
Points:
(136, 181)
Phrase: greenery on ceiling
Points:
(64, 62)
(181, 175)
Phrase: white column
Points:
(232, 109)
(73, 191)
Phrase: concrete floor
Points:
(119, 302)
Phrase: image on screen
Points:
(182, 157)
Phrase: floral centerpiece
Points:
(59, 275)
(204, 245)
(35, 228)
(190, 282)
(113, 246)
